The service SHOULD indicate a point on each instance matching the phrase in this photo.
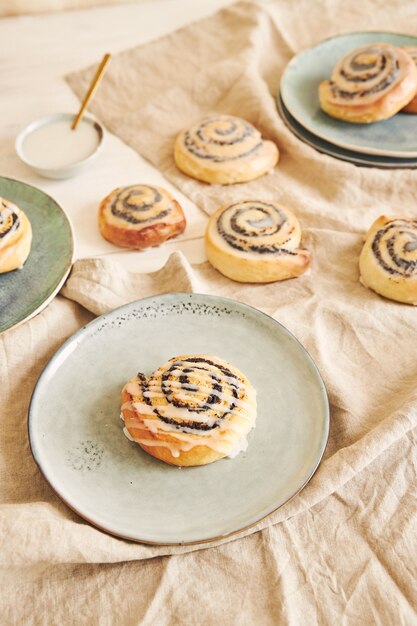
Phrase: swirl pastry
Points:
(369, 84)
(411, 107)
(388, 261)
(140, 216)
(224, 149)
(255, 242)
(15, 236)
(193, 410)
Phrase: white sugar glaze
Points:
(217, 439)
(55, 144)
(228, 420)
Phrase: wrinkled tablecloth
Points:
(343, 551)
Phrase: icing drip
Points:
(395, 247)
(194, 401)
(127, 434)
(221, 441)
(259, 227)
(140, 205)
(222, 138)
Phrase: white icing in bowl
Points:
(51, 148)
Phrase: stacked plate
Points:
(388, 144)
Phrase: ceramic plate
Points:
(25, 292)
(368, 160)
(395, 137)
(77, 438)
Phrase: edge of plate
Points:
(313, 131)
(82, 330)
(49, 299)
(329, 149)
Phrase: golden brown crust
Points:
(16, 242)
(256, 242)
(383, 109)
(388, 260)
(147, 237)
(225, 150)
(411, 107)
(199, 455)
(373, 108)
(178, 446)
(152, 231)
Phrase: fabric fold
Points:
(341, 551)
(362, 428)
(101, 285)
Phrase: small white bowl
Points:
(62, 171)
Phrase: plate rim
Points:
(64, 277)
(353, 158)
(82, 331)
(312, 130)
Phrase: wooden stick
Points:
(90, 93)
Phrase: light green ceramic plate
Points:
(358, 158)
(395, 137)
(25, 292)
(77, 438)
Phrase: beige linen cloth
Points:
(344, 550)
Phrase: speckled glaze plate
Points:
(367, 160)
(25, 292)
(395, 137)
(77, 436)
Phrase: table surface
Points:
(37, 52)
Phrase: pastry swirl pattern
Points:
(139, 204)
(256, 241)
(259, 227)
(365, 74)
(369, 84)
(222, 138)
(388, 261)
(190, 401)
(224, 149)
(15, 236)
(395, 247)
(140, 216)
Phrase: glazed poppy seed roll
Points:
(193, 410)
